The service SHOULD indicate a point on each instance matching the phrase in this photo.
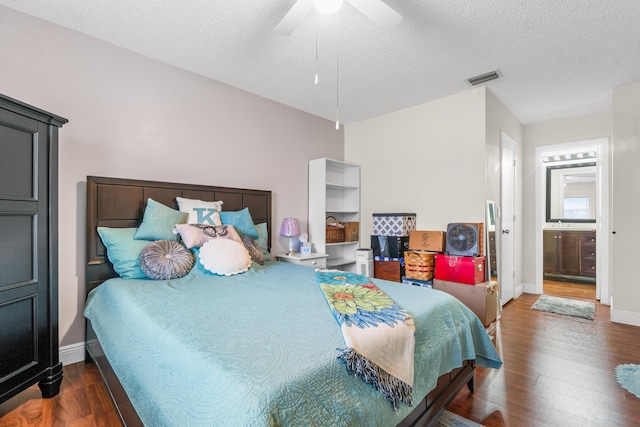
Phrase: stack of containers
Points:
(389, 241)
(465, 277)
(419, 260)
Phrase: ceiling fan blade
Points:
(294, 17)
(378, 12)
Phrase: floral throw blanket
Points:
(378, 334)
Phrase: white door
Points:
(507, 218)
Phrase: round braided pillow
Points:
(165, 259)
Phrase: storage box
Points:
(433, 241)
(419, 265)
(414, 282)
(461, 269)
(393, 224)
(351, 231)
(481, 298)
(389, 246)
(388, 269)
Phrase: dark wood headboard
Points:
(120, 203)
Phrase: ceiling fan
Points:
(375, 10)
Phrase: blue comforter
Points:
(259, 348)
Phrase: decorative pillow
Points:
(123, 251)
(241, 220)
(225, 257)
(166, 259)
(159, 221)
(263, 240)
(254, 249)
(196, 235)
(201, 212)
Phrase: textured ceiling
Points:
(559, 58)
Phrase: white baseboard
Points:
(519, 290)
(626, 317)
(72, 353)
(530, 288)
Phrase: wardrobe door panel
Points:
(28, 249)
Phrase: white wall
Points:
(427, 159)
(440, 160)
(555, 132)
(134, 117)
(625, 307)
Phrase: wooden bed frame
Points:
(119, 203)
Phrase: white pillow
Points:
(201, 212)
(225, 257)
(196, 235)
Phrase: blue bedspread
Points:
(259, 348)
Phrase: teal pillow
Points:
(263, 240)
(159, 221)
(242, 222)
(123, 251)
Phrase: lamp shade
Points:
(290, 227)
(327, 6)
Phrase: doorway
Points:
(546, 221)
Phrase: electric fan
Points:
(462, 239)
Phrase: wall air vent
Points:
(484, 77)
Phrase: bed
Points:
(257, 348)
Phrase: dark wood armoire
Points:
(28, 249)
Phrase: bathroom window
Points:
(577, 207)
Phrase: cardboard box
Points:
(480, 237)
(389, 246)
(432, 241)
(351, 231)
(482, 298)
(393, 224)
(392, 269)
(461, 269)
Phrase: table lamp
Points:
(290, 228)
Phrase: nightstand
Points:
(311, 260)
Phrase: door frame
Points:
(601, 147)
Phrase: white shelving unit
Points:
(334, 190)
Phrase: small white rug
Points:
(566, 306)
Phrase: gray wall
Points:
(134, 117)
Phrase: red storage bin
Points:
(460, 269)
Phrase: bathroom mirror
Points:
(571, 192)
(490, 238)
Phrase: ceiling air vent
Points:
(484, 77)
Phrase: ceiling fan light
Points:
(327, 6)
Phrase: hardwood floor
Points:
(83, 402)
(558, 371)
